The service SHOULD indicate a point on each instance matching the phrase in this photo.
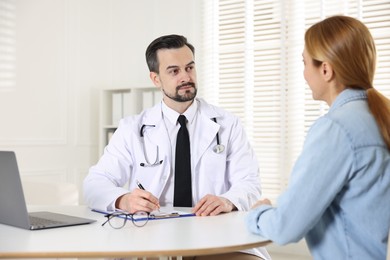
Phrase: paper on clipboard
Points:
(170, 214)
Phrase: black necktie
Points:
(183, 191)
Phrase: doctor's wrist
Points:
(229, 205)
(120, 202)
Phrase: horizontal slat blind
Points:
(7, 45)
(376, 15)
(231, 60)
(269, 72)
(252, 66)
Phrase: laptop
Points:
(13, 209)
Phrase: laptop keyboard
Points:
(36, 221)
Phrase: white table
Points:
(159, 238)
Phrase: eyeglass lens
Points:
(118, 220)
(140, 218)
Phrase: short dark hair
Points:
(172, 41)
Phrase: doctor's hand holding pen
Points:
(138, 200)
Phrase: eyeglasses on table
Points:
(118, 220)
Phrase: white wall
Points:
(64, 52)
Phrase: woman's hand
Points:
(262, 202)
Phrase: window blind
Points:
(7, 45)
(251, 64)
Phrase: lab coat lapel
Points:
(205, 132)
(157, 135)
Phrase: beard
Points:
(187, 96)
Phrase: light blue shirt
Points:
(339, 193)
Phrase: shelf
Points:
(117, 103)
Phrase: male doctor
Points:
(224, 173)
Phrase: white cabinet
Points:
(116, 103)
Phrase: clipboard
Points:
(155, 215)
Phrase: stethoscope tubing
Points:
(147, 163)
(219, 148)
(217, 135)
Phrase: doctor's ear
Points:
(155, 79)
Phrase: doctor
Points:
(224, 169)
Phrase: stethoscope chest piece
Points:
(219, 148)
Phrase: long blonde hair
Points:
(347, 44)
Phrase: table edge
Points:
(98, 254)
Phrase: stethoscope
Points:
(219, 148)
(147, 163)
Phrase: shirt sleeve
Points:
(318, 175)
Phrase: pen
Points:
(140, 185)
(142, 188)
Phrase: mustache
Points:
(185, 84)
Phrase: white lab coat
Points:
(233, 174)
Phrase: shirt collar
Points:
(348, 95)
(172, 115)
